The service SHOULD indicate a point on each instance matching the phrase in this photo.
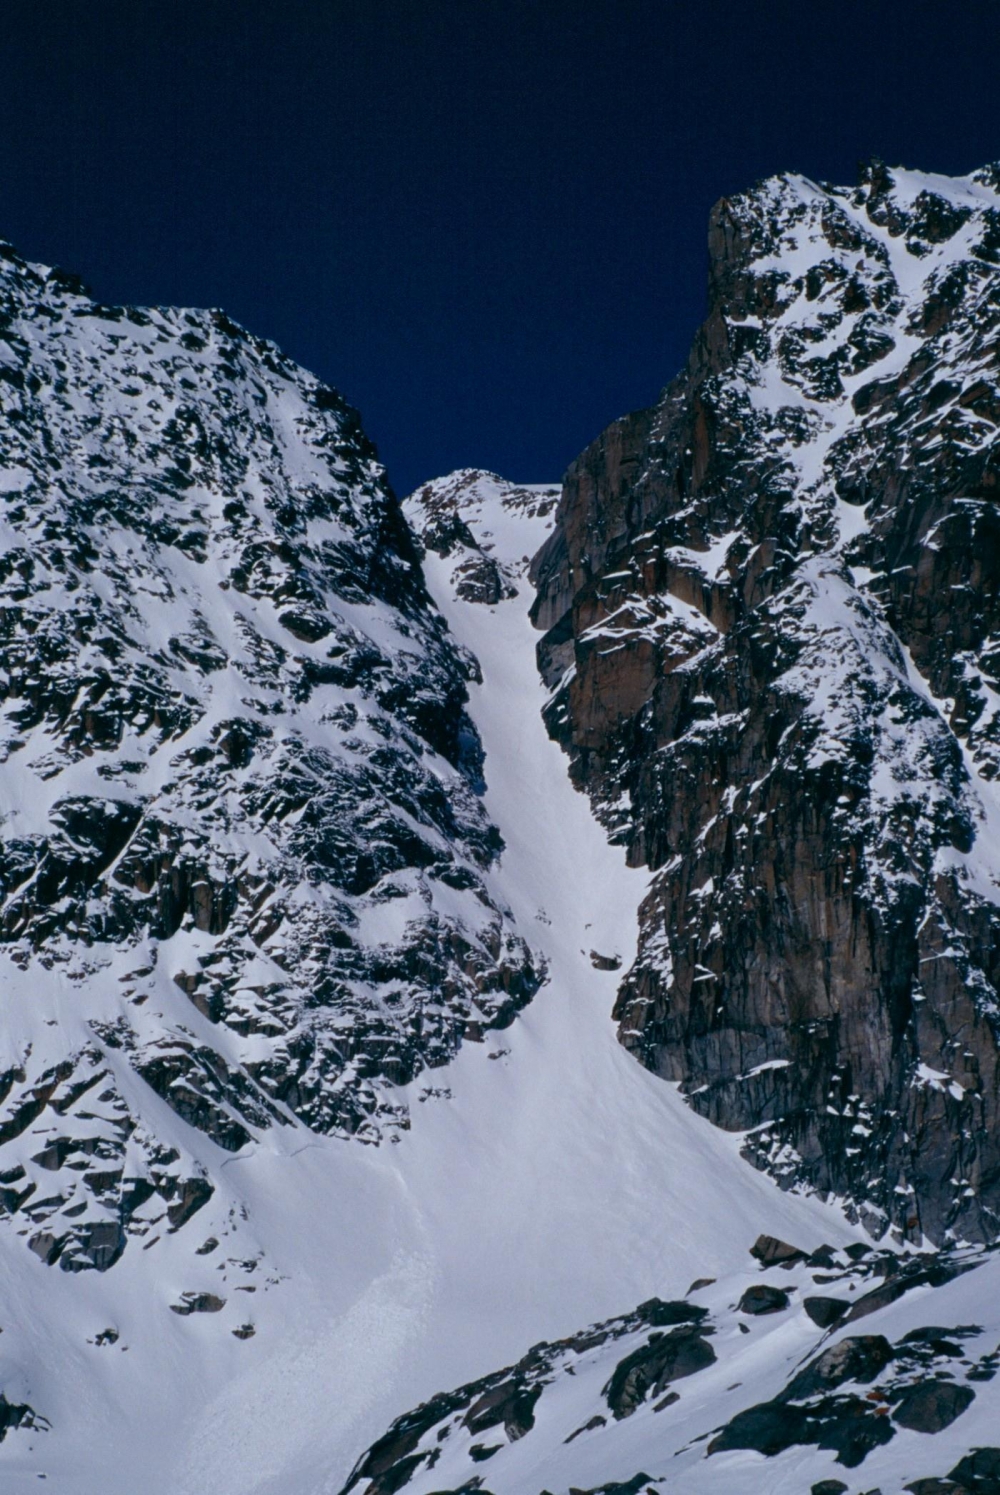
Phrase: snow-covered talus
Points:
(772, 606)
(842, 1371)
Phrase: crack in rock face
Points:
(771, 614)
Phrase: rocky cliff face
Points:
(241, 841)
(772, 624)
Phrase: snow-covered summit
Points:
(487, 526)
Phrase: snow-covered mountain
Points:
(773, 614)
(241, 805)
(292, 862)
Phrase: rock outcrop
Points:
(667, 1369)
(771, 614)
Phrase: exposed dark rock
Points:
(390, 1462)
(621, 1487)
(939, 1342)
(511, 1403)
(825, 1311)
(16, 1415)
(471, 1487)
(858, 1358)
(651, 1368)
(932, 1405)
(847, 1425)
(762, 1298)
(907, 1275)
(769, 1428)
(479, 1452)
(979, 1471)
(771, 1252)
(198, 1303)
(588, 1427)
(194, 1193)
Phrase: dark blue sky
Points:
(483, 221)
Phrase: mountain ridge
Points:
(293, 862)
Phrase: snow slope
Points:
(547, 1180)
(605, 1190)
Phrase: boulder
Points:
(762, 1298)
(699, 1283)
(825, 1311)
(769, 1428)
(772, 1252)
(979, 1471)
(858, 1358)
(933, 1405)
(664, 1358)
(198, 1303)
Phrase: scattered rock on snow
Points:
(825, 1311)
